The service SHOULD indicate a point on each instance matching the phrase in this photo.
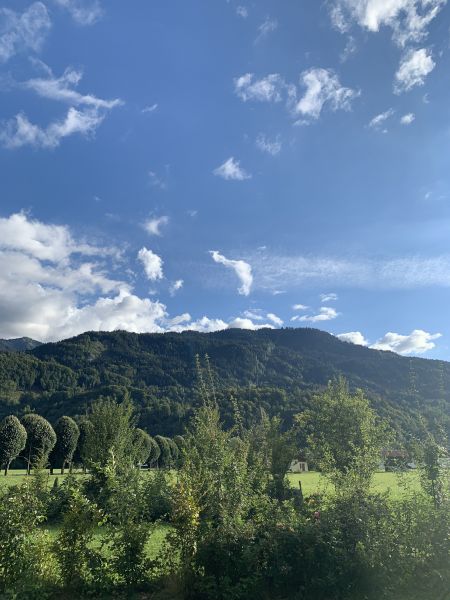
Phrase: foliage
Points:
(112, 433)
(142, 445)
(345, 437)
(67, 434)
(275, 370)
(13, 437)
(25, 562)
(41, 438)
(165, 451)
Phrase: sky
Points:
(174, 165)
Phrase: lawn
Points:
(312, 482)
(394, 483)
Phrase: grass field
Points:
(312, 482)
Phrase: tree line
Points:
(33, 440)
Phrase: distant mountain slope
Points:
(18, 345)
(274, 369)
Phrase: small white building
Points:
(298, 466)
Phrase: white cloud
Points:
(323, 88)
(300, 307)
(408, 19)
(267, 89)
(231, 169)
(242, 11)
(84, 12)
(152, 264)
(274, 272)
(331, 297)
(326, 313)
(62, 89)
(176, 286)
(408, 119)
(26, 31)
(379, 120)
(269, 26)
(265, 144)
(353, 337)
(417, 342)
(149, 109)
(242, 269)
(240, 323)
(413, 70)
(19, 131)
(274, 319)
(153, 226)
(157, 180)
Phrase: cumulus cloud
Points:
(300, 307)
(417, 342)
(231, 170)
(265, 144)
(242, 269)
(326, 313)
(19, 131)
(240, 323)
(153, 226)
(176, 286)
(413, 70)
(26, 31)
(62, 89)
(266, 89)
(408, 119)
(408, 19)
(152, 264)
(323, 88)
(83, 12)
(378, 121)
(353, 337)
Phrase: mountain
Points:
(18, 345)
(278, 370)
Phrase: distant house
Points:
(396, 460)
(298, 466)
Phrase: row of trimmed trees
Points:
(34, 440)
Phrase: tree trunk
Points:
(6, 468)
(51, 470)
(62, 470)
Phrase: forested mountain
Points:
(277, 370)
(18, 344)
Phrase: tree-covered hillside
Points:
(277, 370)
(18, 344)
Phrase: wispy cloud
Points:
(242, 11)
(150, 108)
(242, 269)
(326, 313)
(266, 89)
(83, 12)
(25, 31)
(62, 89)
(378, 121)
(330, 297)
(274, 272)
(153, 226)
(176, 286)
(323, 88)
(408, 119)
(408, 19)
(270, 146)
(267, 27)
(19, 131)
(231, 170)
(413, 70)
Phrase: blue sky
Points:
(211, 164)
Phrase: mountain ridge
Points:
(275, 369)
